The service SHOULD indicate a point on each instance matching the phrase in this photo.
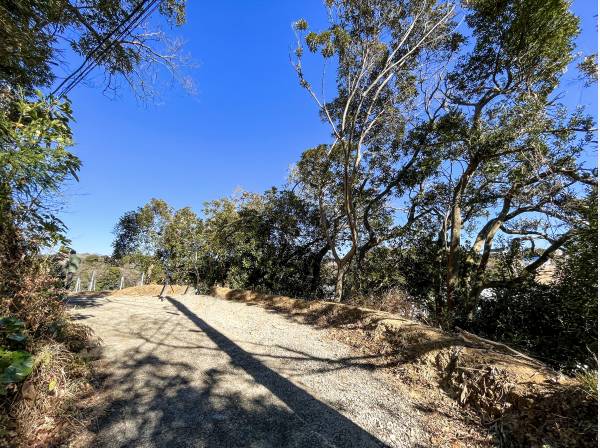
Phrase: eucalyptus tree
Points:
(512, 150)
(380, 48)
(557, 321)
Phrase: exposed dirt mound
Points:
(528, 403)
(149, 290)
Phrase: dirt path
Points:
(196, 371)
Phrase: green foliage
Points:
(300, 25)
(126, 233)
(15, 366)
(26, 51)
(140, 238)
(588, 381)
(269, 242)
(35, 162)
(589, 69)
(182, 241)
(109, 279)
(381, 49)
(461, 200)
(453, 175)
(528, 42)
(555, 321)
(512, 152)
(543, 320)
(12, 330)
(34, 33)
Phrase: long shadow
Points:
(318, 417)
(87, 301)
(158, 407)
(155, 404)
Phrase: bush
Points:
(108, 279)
(588, 381)
(543, 320)
(556, 321)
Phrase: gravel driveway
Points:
(197, 371)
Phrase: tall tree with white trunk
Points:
(379, 47)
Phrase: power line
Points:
(129, 23)
(139, 13)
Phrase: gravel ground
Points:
(197, 371)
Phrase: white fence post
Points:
(121, 283)
(142, 280)
(92, 283)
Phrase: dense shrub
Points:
(108, 279)
(539, 319)
(555, 321)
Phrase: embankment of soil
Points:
(526, 402)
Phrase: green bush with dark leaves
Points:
(15, 364)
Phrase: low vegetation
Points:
(42, 374)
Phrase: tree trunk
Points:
(438, 281)
(339, 282)
(167, 283)
(455, 234)
(316, 262)
(196, 281)
(453, 268)
(149, 272)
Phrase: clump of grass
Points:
(44, 409)
(588, 381)
(394, 300)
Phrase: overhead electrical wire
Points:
(143, 10)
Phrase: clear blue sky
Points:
(248, 123)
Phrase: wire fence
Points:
(111, 283)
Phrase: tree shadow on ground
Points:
(157, 403)
(413, 342)
(159, 407)
(87, 301)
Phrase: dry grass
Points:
(528, 403)
(47, 413)
(588, 381)
(395, 301)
